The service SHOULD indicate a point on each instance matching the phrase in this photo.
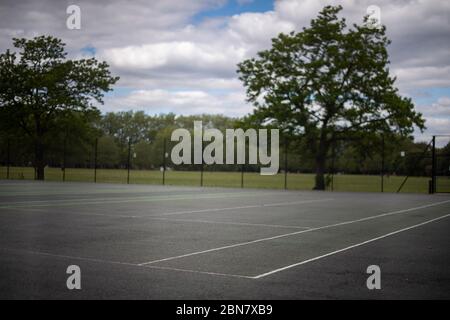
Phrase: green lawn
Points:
(300, 181)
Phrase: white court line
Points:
(56, 201)
(240, 207)
(349, 247)
(121, 216)
(71, 213)
(147, 197)
(43, 253)
(230, 223)
(93, 201)
(28, 209)
(159, 216)
(61, 256)
(243, 276)
(297, 232)
(197, 271)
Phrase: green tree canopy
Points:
(328, 82)
(39, 87)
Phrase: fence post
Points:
(433, 165)
(64, 159)
(201, 174)
(95, 160)
(201, 167)
(382, 163)
(164, 163)
(333, 157)
(285, 163)
(8, 158)
(431, 143)
(129, 161)
(242, 175)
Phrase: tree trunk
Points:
(39, 159)
(321, 157)
(320, 172)
(39, 162)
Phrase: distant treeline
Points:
(115, 134)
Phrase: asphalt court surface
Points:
(167, 242)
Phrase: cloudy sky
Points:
(180, 55)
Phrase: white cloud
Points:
(258, 28)
(195, 101)
(437, 119)
(423, 77)
(173, 63)
(178, 55)
(439, 109)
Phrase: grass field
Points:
(301, 181)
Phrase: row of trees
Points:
(327, 88)
(115, 134)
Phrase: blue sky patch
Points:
(233, 7)
(89, 50)
(428, 96)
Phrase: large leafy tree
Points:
(40, 89)
(328, 82)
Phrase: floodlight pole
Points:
(433, 165)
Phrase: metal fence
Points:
(142, 162)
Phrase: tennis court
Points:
(168, 242)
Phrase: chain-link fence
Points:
(351, 165)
